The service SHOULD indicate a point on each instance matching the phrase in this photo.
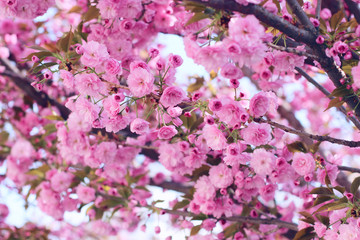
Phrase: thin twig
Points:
(318, 9)
(320, 138)
(293, 50)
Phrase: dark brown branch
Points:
(264, 16)
(349, 169)
(40, 98)
(301, 15)
(354, 9)
(327, 93)
(266, 221)
(178, 187)
(351, 144)
(318, 9)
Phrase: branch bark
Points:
(351, 144)
(266, 221)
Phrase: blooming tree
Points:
(91, 107)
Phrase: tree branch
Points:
(327, 93)
(351, 144)
(40, 98)
(266, 221)
(264, 16)
(349, 169)
(301, 15)
(294, 51)
(172, 186)
(354, 9)
(318, 9)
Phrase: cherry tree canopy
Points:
(263, 145)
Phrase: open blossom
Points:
(89, 84)
(232, 112)
(257, 134)
(61, 181)
(68, 79)
(303, 163)
(167, 132)
(259, 105)
(94, 54)
(262, 162)
(172, 96)
(204, 190)
(221, 176)
(85, 194)
(229, 70)
(112, 66)
(140, 82)
(139, 126)
(215, 139)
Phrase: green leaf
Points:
(92, 13)
(335, 20)
(322, 199)
(231, 230)
(65, 42)
(297, 147)
(340, 204)
(335, 102)
(204, 169)
(323, 219)
(340, 189)
(341, 91)
(197, 17)
(113, 202)
(303, 233)
(196, 85)
(188, 122)
(4, 136)
(201, 217)
(181, 204)
(40, 171)
(355, 185)
(49, 129)
(54, 117)
(195, 230)
(322, 191)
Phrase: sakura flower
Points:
(259, 104)
(140, 82)
(172, 96)
(85, 194)
(303, 163)
(221, 176)
(167, 132)
(262, 162)
(214, 137)
(94, 54)
(89, 84)
(257, 134)
(139, 126)
(61, 181)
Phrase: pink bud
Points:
(157, 229)
(234, 83)
(320, 40)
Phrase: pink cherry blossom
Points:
(172, 96)
(257, 134)
(221, 176)
(303, 163)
